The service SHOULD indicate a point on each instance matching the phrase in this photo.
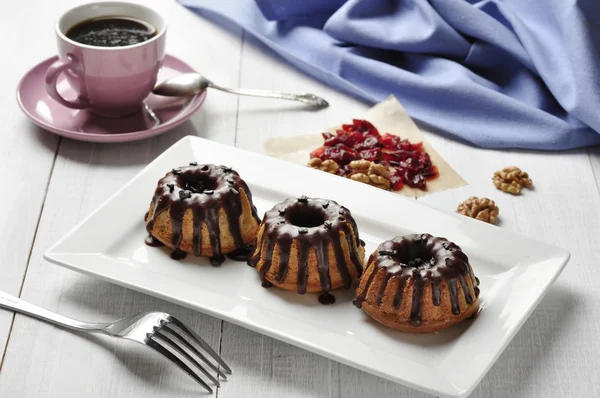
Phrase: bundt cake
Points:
(205, 210)
(418, 283)
(308, 245)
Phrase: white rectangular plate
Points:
(109, 244)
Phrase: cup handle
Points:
(52, 74)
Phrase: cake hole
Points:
(306, 217)
(415, 256)
(197, 183)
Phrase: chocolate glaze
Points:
(178, 254)
(267, 284)
(423, 259)
(312, 224)
(326, 299)
(152, 241)
(241, 254)
(204, 189)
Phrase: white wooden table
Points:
(49, 184)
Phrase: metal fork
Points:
(157, 330)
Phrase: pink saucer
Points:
(86, 126)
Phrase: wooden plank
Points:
(26, 158)
(60, 363)
(594, 156)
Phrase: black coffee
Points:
(111, 32)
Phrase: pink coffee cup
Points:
(109, 81)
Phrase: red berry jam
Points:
(408, 163)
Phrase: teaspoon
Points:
(193, 83)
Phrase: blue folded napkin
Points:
(496, 73)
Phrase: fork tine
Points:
(173, 344)
(169, 355)
(200, 341)
(182, 340)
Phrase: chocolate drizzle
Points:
(178, 254)
(326, 299)
(152, 241)
(267, 284)
(421, 259)
(307, 224)
(206, 190)
(241, 254)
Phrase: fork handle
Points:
(16, 304)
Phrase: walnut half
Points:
(360, 165)
(379, 176)
(482, 209)
(512, 180)
(328, 165)
(360, 177)
(370, 173)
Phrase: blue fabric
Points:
(496, 73)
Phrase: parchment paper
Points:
(388, 116)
